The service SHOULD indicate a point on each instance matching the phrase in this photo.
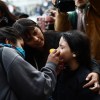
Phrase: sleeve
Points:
(85, 93)
(95, 66)
(27, 82)
(62, 22)
(96, 5)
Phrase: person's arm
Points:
(96, 5)
(93, 77)
(85, 93)
(62, 22)
(27, 82)
(95, 66)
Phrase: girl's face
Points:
(65, 52)
(35, 38)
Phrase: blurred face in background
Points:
(49, 23)
(80, 3)
(35, 39)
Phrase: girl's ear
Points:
(8, 41)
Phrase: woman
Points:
(19, 80)
(37, 46)
(75, 51)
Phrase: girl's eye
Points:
(61, 47)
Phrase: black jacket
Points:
(19, 80)
(70, 86)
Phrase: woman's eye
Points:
(61, 47)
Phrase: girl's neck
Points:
(74, 65)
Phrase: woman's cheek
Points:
(61, 53)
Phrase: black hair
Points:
(21, 15)
(10, 34)
(7, 15)
(80, 45)
(24, 25)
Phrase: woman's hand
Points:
(93, 83)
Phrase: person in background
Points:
(21, 15)
(49, 19)
(19, 80)
(86, 18)
(37, 45)
(46, 5)
(74, 47)
(38, 10)
(6, 17)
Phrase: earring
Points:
(74, 55)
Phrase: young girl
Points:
(74, 49)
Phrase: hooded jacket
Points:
(19, 80)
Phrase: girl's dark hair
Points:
(80, 45)
(24, 25)
(10, 34)
(7, 14)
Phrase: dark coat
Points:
(19, 80)
(70, 86)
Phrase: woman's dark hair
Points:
(7, 15)
(24, 25)
(10, 34)
(80, 45)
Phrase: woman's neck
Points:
(73, 65)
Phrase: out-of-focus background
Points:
(32, 8)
